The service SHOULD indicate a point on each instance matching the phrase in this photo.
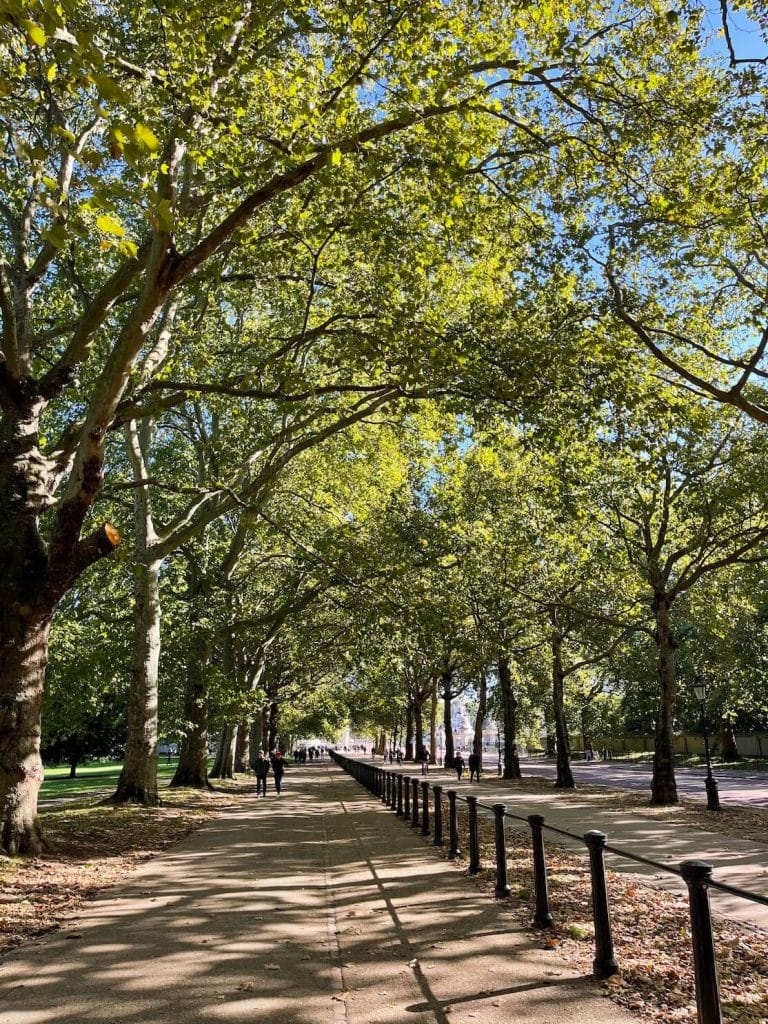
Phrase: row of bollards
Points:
(409, 798)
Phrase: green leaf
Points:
(56, 235)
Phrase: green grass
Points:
(90, 777)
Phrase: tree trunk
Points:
(138, 779)
(433, 722)
(73, 763)
(728, 748)
(224, 765)
(274, 720)
(23, 659)
(192, 769)
(446, 679)
(418, 725)
(509, 712)
(408, 752)
(482, 706)
(564, 778)
(243, 748)
(663, 784)
(264, 721)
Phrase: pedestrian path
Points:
(315, 908)
(738, 862)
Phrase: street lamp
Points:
(713, 797)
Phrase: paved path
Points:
(319, 907)
(738, 862)
(735, 787)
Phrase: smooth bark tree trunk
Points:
(243, 748)
(663, 784)
(564, 779)
(433, 722)
(408, 752)
(224, 764)
(192, 769)
(418, 725)
(446, 678)
(482, 707)
(509, 715)
(138, 779)
(274, 722)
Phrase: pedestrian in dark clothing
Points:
(278, 769)
(473, 762)
(424, 758)
(261, 769)
(458, 764)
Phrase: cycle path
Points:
(318, 907)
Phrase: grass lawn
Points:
(97, 775)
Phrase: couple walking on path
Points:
(262, 766)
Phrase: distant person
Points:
(474, 767)
(261, 768)
(424, 758)
(458, 764)
(399, 756)
(278, 770)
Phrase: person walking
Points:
(473, 762)
(261, 769)
(278, 770)
(458, 764)
(424, 758)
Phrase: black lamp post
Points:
(713, 797)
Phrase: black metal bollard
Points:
(407, 793)
(474, 841)
(393, 793)
(400, 794)
(415, 803)
(604, 964)
(502, 881)
(542, 918)
(385, 787)
(425, 808)
(438, 837)
(453, 826)
(697, 874)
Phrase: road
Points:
(736, 787)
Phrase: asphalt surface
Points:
(317, 907)
(735, 787)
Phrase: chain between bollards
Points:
(697, 874)
(502, 882)
(604, 964)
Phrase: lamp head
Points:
(700, 688)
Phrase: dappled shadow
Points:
(315, 906)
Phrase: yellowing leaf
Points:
(35, 33)
(110, 225)
(146, 138)
(335, 158)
